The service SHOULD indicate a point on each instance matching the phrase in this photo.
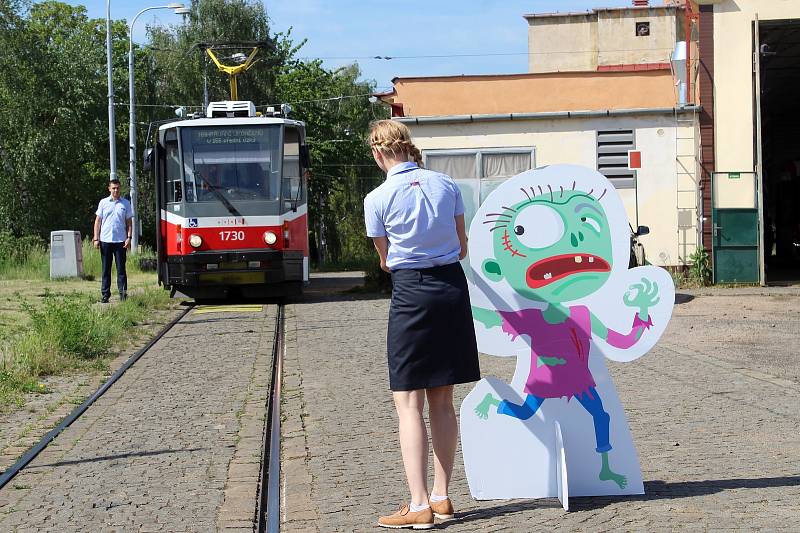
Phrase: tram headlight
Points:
(270, 238)
(195, 240)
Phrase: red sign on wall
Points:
(634, 159)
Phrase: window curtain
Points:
(505, 165)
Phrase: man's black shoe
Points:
(123, 296)
(104, 300)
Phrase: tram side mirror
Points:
(305, 156)
(147, 158)
(642, 230)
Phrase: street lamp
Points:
(112, 147)
(179, 9)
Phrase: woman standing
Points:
(416, 221)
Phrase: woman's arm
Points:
(462, 236)
(382, 247)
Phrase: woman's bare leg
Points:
(444, 433)
(413, 442)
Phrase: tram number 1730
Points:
(231, 194)
(231, 235)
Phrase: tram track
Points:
(267, 504)
(269, 497)
(76, 413)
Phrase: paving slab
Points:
(158, 451)
(713, 412)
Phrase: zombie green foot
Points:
(606, 474)
(482, 409)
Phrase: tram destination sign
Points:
(217, 136)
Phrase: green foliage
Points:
(71, 326)
(23, 257)
(13, 386)
(53, 130)
(337, 113)
(68, 331)
(28, 258)
(700, 266)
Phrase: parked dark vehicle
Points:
(637, 250)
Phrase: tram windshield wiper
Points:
(221, 197)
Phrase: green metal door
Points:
(735, 227)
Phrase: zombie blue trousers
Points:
(590, 400)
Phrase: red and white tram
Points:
(231, 195)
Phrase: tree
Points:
(53, 128)
(336, 108)
(53, 131)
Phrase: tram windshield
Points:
(230, 164)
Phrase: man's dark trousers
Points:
(117, 252)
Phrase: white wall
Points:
(655, 200)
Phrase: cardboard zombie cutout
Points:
(550, 285)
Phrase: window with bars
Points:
(612, 157)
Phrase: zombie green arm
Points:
(643, 296)
(487, 317)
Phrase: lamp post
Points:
(179, 9)
(112, 146)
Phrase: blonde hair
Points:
(393, 139)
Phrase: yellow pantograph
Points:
(234, 71)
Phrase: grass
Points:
(66, 332)
(55, 327)
(34, 263)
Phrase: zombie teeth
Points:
(578, 259)
(591, 259)
(548, 275)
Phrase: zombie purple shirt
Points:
(559, 352)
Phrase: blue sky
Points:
(347, 31)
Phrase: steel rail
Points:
(268, 512)
(32, 452)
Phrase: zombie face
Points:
(552, 247)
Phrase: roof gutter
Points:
(455, 119)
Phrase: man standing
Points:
(112, 235)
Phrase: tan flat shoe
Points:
(405, 518)
(443, 510)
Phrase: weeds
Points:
(700, 267)
(65, 332)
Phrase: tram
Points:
(231, 197)
(232, 202)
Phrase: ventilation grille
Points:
(231, 109)
(612, 157)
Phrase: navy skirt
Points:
(431, 338)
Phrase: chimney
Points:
(641, 3)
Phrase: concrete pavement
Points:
(713, 411)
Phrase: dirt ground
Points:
(755, 328)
